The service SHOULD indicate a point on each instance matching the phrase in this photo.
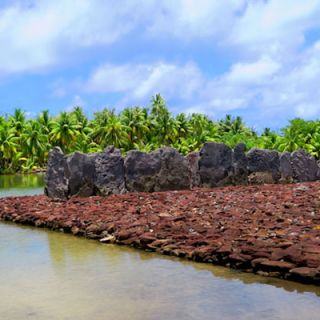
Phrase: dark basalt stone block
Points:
(215, 164)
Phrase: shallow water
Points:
(19, 185)
(50, 275)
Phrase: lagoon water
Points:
(50, 275)
(21, 185)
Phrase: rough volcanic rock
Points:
(305, 273)
(174, 174)
(304, 166)
(286, 170)
(193, 164)
(80, 173)
(141, 170)
(272, 230)
(270, 265)
(215, 164)
(160, 170)
(261, 178)
(240, 163)
(55, 179)
(109, 172)
(261, 161)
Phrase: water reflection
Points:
(19, 185)
(66, 249)
(21, 181)
(48, 275)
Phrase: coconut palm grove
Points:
(25, 143)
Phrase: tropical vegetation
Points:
(25, 143)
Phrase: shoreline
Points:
(271, 230)
(33, 172)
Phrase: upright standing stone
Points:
(193, 165)
(286, 168)
(215, 164)
(80, 173)
(56, 183)
(304, 166)
(174, 171)
(160, 170)
(141, 170)
(263, 166)
(109, 172)
(239, 164)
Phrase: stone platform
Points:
(273, 230)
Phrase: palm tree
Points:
(182, 125)
(313, 146)
(109, 130)
(80, 118)
(45, 121)
(162, 124)
(225, 125)
(8, 146)
(85, 144)
(99, 125)
(158, 106)
(290, 141)
(17, 121)
(203, 129)
(35, 140)
(268, 139)
(24, 144)
(232, 125)
(137, 123)
(2, 120)
(64, 131)
(144, 147)
(115, 133)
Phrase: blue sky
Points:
(259, 59)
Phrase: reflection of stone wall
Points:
(216, 164)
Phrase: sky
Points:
(259, 59)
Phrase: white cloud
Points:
(42, 34)
(260, 87)
(263, 87)
(267, 91)
(272, 71)
(189, 19)
(308, 110)
(115, 78)
(143, 80)
(39, 34)
(255, 72)
(275, 26)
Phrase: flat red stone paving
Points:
(272, 230)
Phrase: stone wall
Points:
(165, 169)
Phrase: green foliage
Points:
(25, 143)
